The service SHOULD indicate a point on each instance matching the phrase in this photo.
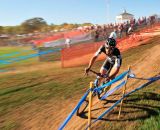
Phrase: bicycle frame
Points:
(95, 92)
(96, 84)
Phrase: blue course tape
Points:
(74, 110)
(119, 77)
(9, 61)
(153, 79)
(4, 62)
(13, 53)
(113, 90)
(9, 54)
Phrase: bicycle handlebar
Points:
(94, 72)
(99, 74)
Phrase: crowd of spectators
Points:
(101, 32)
(98, 32)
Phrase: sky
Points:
(14, 12)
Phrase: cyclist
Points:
(113, 61)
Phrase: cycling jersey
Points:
(114, 59)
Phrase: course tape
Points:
(134, 77)
(74, 110)
(11, 60)
(4, 62)
(119, 77)
(9, 54)
(113, 90)
(153, 79)
(13, 53)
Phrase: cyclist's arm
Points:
(115, 69)
(93, 59)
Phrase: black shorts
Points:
(108, 64)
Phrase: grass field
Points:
(141, 111)
(17, 57)
(24, 94)
(8, 53)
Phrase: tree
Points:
(9, 30)
(87, 24)
(34, 24)
(1, 29)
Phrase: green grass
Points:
(24, 51)
(7, 50)
(140, 111)
(58, 85)
(153, 123)
(10, 125)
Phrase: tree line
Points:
(37, 24)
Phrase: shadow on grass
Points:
(12, 90)
(136, 107)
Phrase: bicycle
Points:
(95, 91)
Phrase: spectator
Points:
(113, 34)
(126, 28)
(68, 42)
(120, 30)
(96, 35)
(130, 30)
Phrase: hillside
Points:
(145, 65)
(41, 96)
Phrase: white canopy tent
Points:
(124, 17)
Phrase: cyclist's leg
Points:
(108, 67)
(104, 69)
(115, 69)
(109, 72)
